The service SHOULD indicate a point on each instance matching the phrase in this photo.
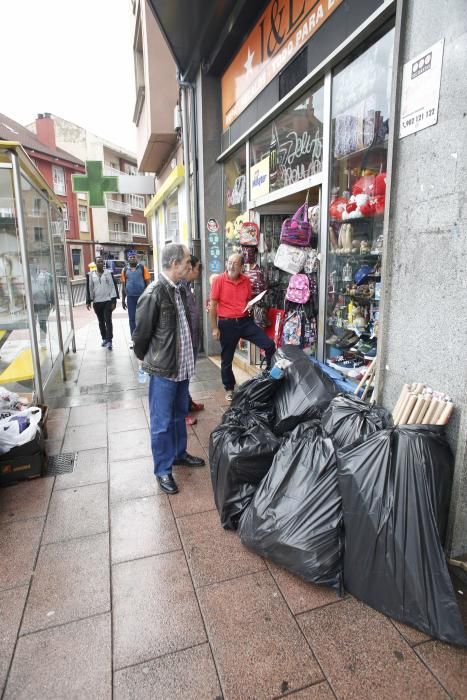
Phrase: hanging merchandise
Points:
(241, 451)
(276, 322)
(348, 420)
(249, 254)
(298, 290)
(257, 279)
(347, 273)
(260, 315)
(292, 329)
(311, 262)
(290, 259)
(249, 234)
(295, 517)
(395, 490)
(304, 394)
(297, 230)
(309, 332)
(313, 218)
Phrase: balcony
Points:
(108, 170)
(120, 237)
(117, 207)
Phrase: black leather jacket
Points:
(157, 335)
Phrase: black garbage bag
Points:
(256, 396)
(348, 419)
(241, 451)
(395, 491)
(295, 517)
(304, 393)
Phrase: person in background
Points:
(102, 292)
(135, 278)
(43, 298)
(193, 274)
(162, 340)
(230, 322)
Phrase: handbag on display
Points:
(290, 259)
(298, 290)
(249, 234)
(249, 254)
(297, 230)
(292, 330)
(257, 279)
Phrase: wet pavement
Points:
(109, 588)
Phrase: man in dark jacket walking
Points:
(163, 341)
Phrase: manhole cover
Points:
(61, 464)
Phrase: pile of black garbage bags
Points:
(322, 484)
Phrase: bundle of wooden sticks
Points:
(418, 403)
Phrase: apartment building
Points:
(121, 225)
(56, 166)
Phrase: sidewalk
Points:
(109, 588)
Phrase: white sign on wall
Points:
(421, 81)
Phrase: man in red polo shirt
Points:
(230, 294)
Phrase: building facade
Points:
(120, 225)
(57, 166)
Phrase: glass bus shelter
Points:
(36, 322)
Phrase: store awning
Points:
(207, 32)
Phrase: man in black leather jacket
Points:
(163, 341)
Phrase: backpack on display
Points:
(249, 253)
(292, 329)
(257, 279)
(298, 290)
(249, 234)
(297, 230)
(260, 316)
(290, 259)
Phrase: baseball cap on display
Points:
(362, 273)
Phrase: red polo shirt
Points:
(231, 295)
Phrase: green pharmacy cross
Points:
(95, 183)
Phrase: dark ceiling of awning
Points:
(205, 32)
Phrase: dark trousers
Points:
(131, 305)
(103, 311)
(231, 330)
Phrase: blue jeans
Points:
(168, 408)
(231, 330)
(131, 305)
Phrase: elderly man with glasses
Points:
(230, 322)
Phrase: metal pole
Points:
(27, 278)
(186, 159)
(194, 161)
(323, 213)
(57, 298)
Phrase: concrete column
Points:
(424, 334)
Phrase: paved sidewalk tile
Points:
(122, 419)
(71, 581)
(71, 661)
(77, 512)
(185, 675)
(195, 494)
(449, 664)
(28, 499)
(141, 528)
(90, 468)
(133, 478)
(363, 655)
(319, 691)
(11, 609)
(214, 554)
(85, 435)
(257, 645)
(410, 634)
(129, 444)
(19, 542)
(299, 594)
(92, 415)
(155, 609)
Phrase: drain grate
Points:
(61, 464)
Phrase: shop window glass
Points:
(360, 127)
(290, 148)
(235, 201)
(58, 238)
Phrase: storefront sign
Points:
(280, 33)
(259, 179)
(212, 225)
(420, 90)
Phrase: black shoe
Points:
(167, 484)
(189, 461)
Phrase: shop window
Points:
(290, 148)
(77, 262)
(58, 175)
(359, 131)
(235, 208)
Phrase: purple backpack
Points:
(257, 279)
(297, 230)
(298, 290)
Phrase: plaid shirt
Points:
(186, 366)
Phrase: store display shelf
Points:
(377, 217)
(345, 371)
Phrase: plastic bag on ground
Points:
(19, 428)
(348, 419)
(304, 393)
(241, 451)
(295, 517)
(256, 396)
(395, 491)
